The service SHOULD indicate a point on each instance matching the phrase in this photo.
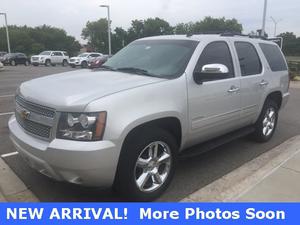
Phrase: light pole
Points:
(263, 29)
(7, 34)
(275, 25)
(109, 29)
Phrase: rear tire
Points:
(65, 63)
(266, 124)
(26, 63)
(84, 64)
(142, 174)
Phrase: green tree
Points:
(34, 40)
(96, 34)
(291, 44)
(209, 24)
(119, 39)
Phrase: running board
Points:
(214, 143)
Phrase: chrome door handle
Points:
(233, 89)
(263, 83)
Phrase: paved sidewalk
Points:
(272, 177)
(283, 185)
(12, 189)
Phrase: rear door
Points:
(214, 105)
(253, 81)
(59, 57)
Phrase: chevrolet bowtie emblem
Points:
(25, 114)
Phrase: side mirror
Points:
(52, 54)
(211, 72)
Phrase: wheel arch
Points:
(170, 124)
(275, 96)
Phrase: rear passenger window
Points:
(216, 53)
(274, 57)
(58, 54)
(250, 63)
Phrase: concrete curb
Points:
(233, 185)
(12, 189)
(295, 84)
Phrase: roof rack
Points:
(227, 34)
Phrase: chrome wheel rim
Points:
(269, 122)
(153, 166)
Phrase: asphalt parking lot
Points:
(192, 173)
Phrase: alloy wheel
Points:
(269, 121)
(153, 166)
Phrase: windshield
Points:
(83, 55)
(160, 58)
(45, 53)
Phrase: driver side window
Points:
(216, 52)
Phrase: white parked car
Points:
(1, 66)
(84, 59)
(48, 58)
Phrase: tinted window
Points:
(216, 53)
(161, 58)
(250, 63)
(58, 54)
(94, 55)
(274, 57)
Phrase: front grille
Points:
(32, 107)
(72, 60)
(34, 127)
(35, 58)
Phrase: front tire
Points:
(147, 164)
(267, 122)
(48, 62)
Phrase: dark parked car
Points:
(97, 62)
(15, 59)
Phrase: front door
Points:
(214, 105)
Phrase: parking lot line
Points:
(6, 96)
(9, 154)
(5, 114)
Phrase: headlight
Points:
(42, 58)
(81, 126)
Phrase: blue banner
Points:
(150, 213)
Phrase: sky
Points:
(72, 15)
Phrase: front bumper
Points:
(75, 63)
(38, 61)
(84, 163)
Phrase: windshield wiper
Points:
(135, 71)
(107, 68)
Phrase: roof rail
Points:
(227, 34)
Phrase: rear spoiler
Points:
(277, 40)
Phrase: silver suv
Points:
(125, 123)
(48, 58)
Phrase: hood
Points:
(38, 56)
(72, 91)
(75, 58)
